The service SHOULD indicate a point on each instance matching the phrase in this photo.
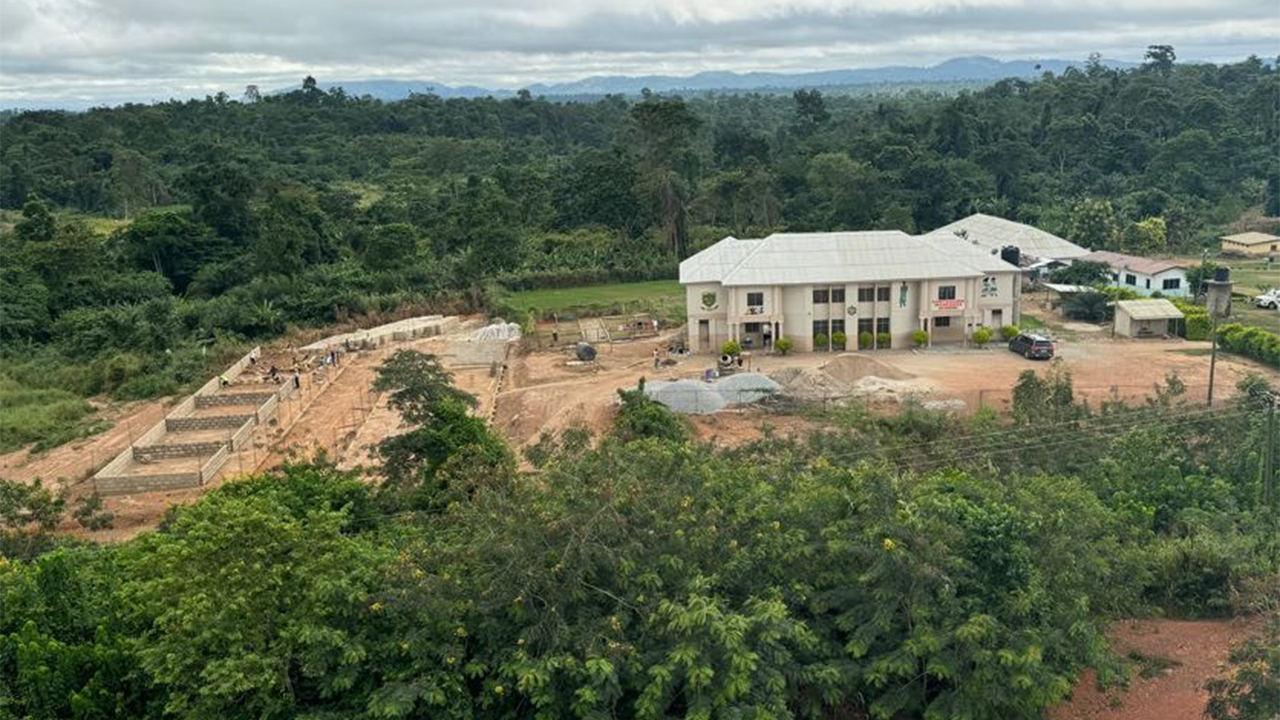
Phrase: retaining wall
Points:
(213, 422)
(129, 484)
(225, 399)
(109, 480)
(151, 453)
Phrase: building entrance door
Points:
(704, 334)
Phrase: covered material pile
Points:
(498, 331)
(696, 397)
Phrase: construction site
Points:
(288, 400)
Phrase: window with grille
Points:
(946, 292)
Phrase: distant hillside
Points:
(957, 70)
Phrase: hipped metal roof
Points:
(994, 233)
(1144, 265)
(1251, 238)
(838, 258)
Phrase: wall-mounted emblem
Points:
(990, 288)
(709, 301)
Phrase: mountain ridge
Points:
(974, 68)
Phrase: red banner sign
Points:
(954, 304)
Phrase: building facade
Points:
(1254, 244)
(1145, 276)
(804, 285)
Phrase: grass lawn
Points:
(655, 296)
(1251, 277)
(45, 418)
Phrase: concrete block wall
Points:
(241, 435)
(215, 422)
(151, 453)
(213, 465)
(129, 484)
(225, 399)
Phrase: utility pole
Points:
(1218, 303)
(1269, 457)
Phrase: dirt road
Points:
(1198, 647)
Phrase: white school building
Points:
(801, 285)
(1144, 275)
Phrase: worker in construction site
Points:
(223, 380)
(656, 360)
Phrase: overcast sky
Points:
(105, 51)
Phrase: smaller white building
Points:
(1142, 275)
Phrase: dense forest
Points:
(313, 206)
(900, 567)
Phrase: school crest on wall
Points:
(709, 301)
(989, 287)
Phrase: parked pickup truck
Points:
(1269, 299)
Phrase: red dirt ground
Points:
(1201, 646)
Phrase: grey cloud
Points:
(142, 49)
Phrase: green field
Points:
(1251, 277)
(42, 418)
(663, 297)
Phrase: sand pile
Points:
(852, 367)
(810, 384)
(850, 374)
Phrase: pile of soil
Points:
(810, 384)
(852, 367)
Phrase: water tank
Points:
(1011, 255)
(1222, 274)
(585, 352)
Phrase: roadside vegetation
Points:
(913, 566)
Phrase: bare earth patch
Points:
(1183, 655)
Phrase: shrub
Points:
(884, 339)
(1198, 327)
(1251, 342)
(639, 416)
(783, 346)
(1010, 331)
(820, 340)
(839, 339)
(731, 348)
(865, 339)
(982, 336)
(920, 338)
